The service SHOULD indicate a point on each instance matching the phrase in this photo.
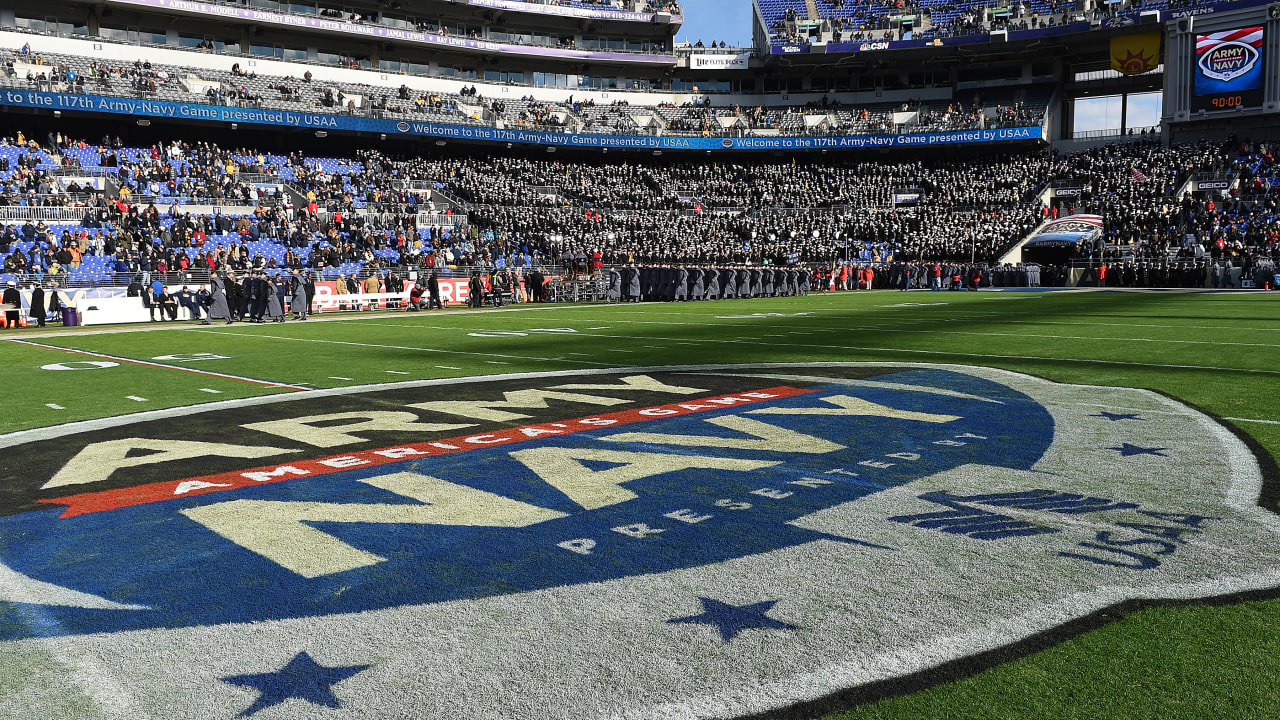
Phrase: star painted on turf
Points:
(302, 678)
(1127, 449)
(1117, 416)
(733, 619)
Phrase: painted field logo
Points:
(579, 536)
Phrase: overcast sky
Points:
(707, 20)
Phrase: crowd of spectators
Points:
(522, 211)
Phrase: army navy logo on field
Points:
(696, 542)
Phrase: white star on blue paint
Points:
(302, 678)
(1126, 449)
(733, 619)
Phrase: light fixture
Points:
(235, 126)
(440, 143)
(382, 136)
(143, 122)
(321, 133)
(551, 149)
(57, 113)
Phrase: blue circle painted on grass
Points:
(184, 572)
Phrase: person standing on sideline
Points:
(12, 297)
(372, 287)
(298, 296)
(433, 291)
(309, 284)
(218, 307)
(37, 311)
(274, 308)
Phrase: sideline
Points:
(341, 316)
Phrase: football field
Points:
(1172, 613)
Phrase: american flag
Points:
(1138, 177)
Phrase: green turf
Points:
(1216, 351)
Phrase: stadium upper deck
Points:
(580, 74)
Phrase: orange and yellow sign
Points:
(1135, 54)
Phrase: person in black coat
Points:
(433, 292)
(11, 297)
(248, 294)
(265, 290)
(633, 284)
(475, 291)
(309, 287)
(235, 299)
(37, 305)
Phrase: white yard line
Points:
(150, 363)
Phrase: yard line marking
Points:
(397, 372)
(497, 362)
(394, 347)
(335, 377)
(211, 390)
(582, 354)
(1268, 422)
(135, 398)
(448, 367)
(55, 406)
(150, 363)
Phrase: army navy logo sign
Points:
(656, 543)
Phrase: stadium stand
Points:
(99, 212)
(361, 213)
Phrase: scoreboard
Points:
(1229, 68)
(1222, 63)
